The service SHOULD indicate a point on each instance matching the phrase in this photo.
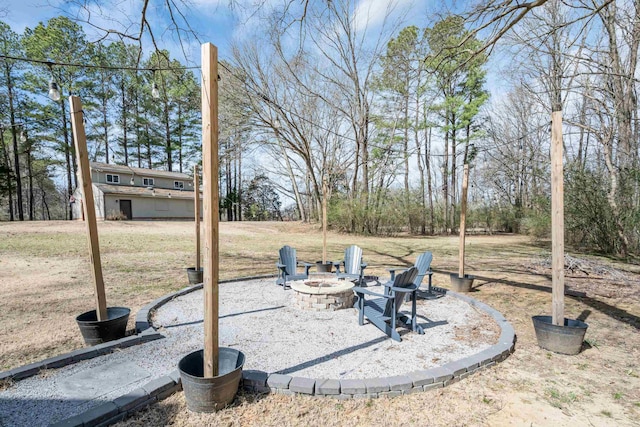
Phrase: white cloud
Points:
(369, 14)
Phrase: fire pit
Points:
(323, 294)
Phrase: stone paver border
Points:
(412, 382)
(263, 382)
(76, 356)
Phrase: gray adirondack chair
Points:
(423, 264)
(288, 265)
(384, 310)
(353, 265)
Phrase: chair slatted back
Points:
(423, 263)
(403, 280)
(289, 259)
(352, 259)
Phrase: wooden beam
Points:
(324, 219)
(209, 65)
(196, 198)
(557, 220)
(463, 219)
(88, 206)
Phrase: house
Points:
(123, 192)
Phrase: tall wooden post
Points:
(324, 219)
(557, 220)
(196, 198)
(463, 219)
(209, 56)
(88, 206)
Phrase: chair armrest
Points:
(406, 290)
(305, 264)
(365, 291)
(363, 266)
(280, 265)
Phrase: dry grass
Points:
(45, 282)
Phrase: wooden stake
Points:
(557, 220)
(324, 219)
(88, 206)
(209, 55)
(196, 198)
(463, 219)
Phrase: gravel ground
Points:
(259, 319)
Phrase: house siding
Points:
(151, 207)
(77, 208)
(161, 201)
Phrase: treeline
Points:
(125, 122)
(389, 115)
(386, 115)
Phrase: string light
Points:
(155, 92)
(54, 91)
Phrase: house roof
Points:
(104, 167)
(145, 192)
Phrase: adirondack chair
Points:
(287, 267)
(384, 311)
(353, 265)
(423, 264)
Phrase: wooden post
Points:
(196, 197)
(463, 218)
(209, 95)
(88, 207)
(557, 220)
(324, 219)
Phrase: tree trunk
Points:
(70, 160)
(454, 181)
(7, 162)
(167, 131)
(125, 145)
(445, 181)
(406, 164)
(294, 183)
(30, 172)
(423, 216)
(14, 135)
(427, 155)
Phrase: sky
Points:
(215, 21)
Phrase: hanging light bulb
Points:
(155, 92)
(54, 92)
(23, 136)
(276, 124)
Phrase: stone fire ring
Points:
(323, 294)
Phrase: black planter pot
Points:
(211, 394)
(95, 332)
(565, 339)
(324, 268)
(195, 276)
(461, 284)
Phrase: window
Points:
(147, 181)
(178, 184)
(115, 179)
